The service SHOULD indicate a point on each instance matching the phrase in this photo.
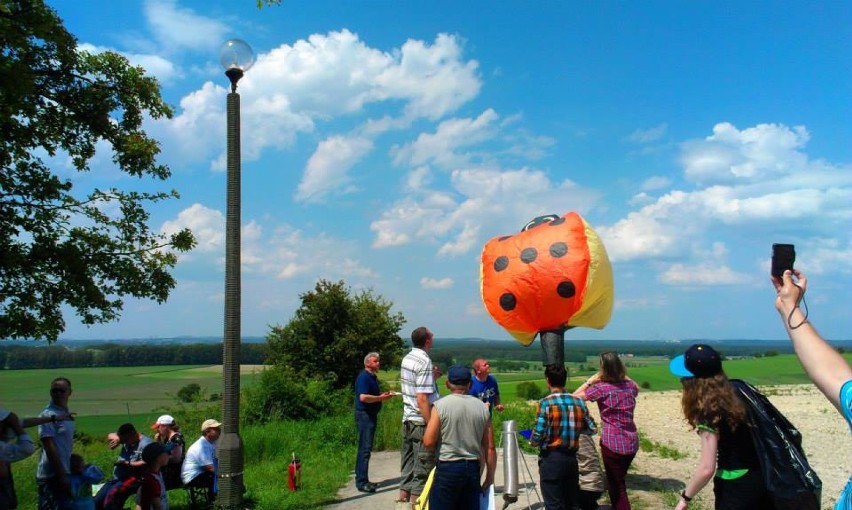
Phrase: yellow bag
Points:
(422, 502)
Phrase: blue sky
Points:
(384, 142)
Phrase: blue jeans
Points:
(455, 486)
(366, 432)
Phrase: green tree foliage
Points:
(60, 244)
(445, 360)
(332, 331)
(14, 357)
(508, 365)
(190, 393)
(529, 390)
(282, 394)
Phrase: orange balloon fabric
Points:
(554, 275)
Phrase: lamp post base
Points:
(230, 472)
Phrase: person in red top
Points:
(152, 493)
(615, 394)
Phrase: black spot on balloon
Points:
(566, 289)
(557, 221)
(508, 301)
(501, 263)
(528, 255)
(558, 250)
(504, 238)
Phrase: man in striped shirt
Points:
(560, 420)
(418, 394)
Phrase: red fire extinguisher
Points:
(294, 474)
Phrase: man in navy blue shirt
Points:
(368, 403)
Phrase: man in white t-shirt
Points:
(199, 464)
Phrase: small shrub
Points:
(281, 395)
(529, 390)
(190, 393)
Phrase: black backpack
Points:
(787, 475)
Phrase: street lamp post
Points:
(236, 57)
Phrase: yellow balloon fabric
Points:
(554, 275)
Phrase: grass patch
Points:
(326, 448)
(659, 449)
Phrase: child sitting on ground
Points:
(81, 479)
(152, 493)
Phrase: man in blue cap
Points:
(462, 425)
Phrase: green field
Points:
(104, 397)
(650, 372)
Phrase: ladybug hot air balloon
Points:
(552, 276)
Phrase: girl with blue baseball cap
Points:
(712, 407)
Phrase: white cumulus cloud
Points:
(177, 27)
(434, 283)
(322, 78)
(327, 170)
(752, 154)
(440, 148)
(207, 225)
(482, 203)
(752, 178)
(704, 274)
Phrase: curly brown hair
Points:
(612, 369)
(711, 400)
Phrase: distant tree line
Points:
(18, 357)
(464, 351)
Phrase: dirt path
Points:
(384, 470)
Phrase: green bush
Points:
(190, 393)
(529, 390)
(282, 395)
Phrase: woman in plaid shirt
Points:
(615, 394)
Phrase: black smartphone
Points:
(783, 256)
